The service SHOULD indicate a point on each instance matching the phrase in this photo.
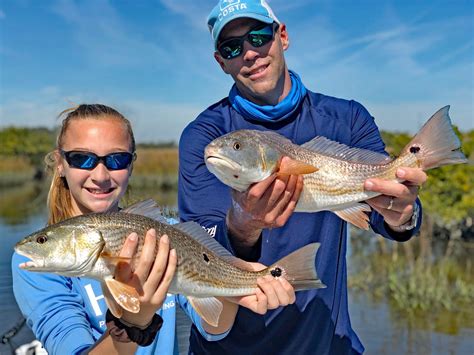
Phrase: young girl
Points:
(91, 168)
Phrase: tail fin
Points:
(299, 268)
(436, 144)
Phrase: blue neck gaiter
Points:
(269, 113)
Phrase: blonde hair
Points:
(59, 199)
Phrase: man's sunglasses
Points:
(88, 160)
(258, 36)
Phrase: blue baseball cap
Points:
(229, 10)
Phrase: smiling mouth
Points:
(258, 70)
(99, 191)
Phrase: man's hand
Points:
(397, 200)
(267, 204)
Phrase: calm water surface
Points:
(381, 330)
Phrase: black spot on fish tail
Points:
(414, 149)
(206, 258)
(276, 272)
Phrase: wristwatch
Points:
(411, 223)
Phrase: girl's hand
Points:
(152, 276)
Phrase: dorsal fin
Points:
(323, 145)
(148, 208)
(199, 234)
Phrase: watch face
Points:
(414, 218)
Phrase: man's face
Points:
(259, 73)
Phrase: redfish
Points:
(334, 173)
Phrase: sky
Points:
(153, 59)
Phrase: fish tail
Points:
(436, 144)
(299, 268)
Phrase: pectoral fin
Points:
(209, 309)
(356, 215)
(296, 167)
(113, 306)
(114, 260)
(126, 296)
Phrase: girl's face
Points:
(99, 189)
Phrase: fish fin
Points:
(199, 234)
(113, 306)
(299, 268)
(148, 208)
(112, 260)
(126, 296)
(356, 215)
(209, 308)
(330, 148)
(296, 167)
(436, 144)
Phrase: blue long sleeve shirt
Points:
(319, 321)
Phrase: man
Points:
(259, 224)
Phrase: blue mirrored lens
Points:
(118, 161)
(232, 47)
(88, 160)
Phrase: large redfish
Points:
(89, 246)
(335, 173)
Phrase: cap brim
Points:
(258, 17)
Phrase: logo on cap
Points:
(226, 3)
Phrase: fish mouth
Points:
(32, 265)
(223, 163)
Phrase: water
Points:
(8, 308)
(381, 330)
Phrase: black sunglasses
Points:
(258, 36)
(89, 160)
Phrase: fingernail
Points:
(165, 239)
(369, 185)
(133, 237)
(401, 173)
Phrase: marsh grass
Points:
(156, 161)
(15, 170)
(414, 279)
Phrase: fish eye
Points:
(41, 239)
(236, 146)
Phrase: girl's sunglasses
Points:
(259, 36)
(89, 160)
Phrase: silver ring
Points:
(390, 204)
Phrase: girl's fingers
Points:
(147, 256)
(123, 271)
(160, 264)
(167, 278)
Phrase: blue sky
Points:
(152, 60)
